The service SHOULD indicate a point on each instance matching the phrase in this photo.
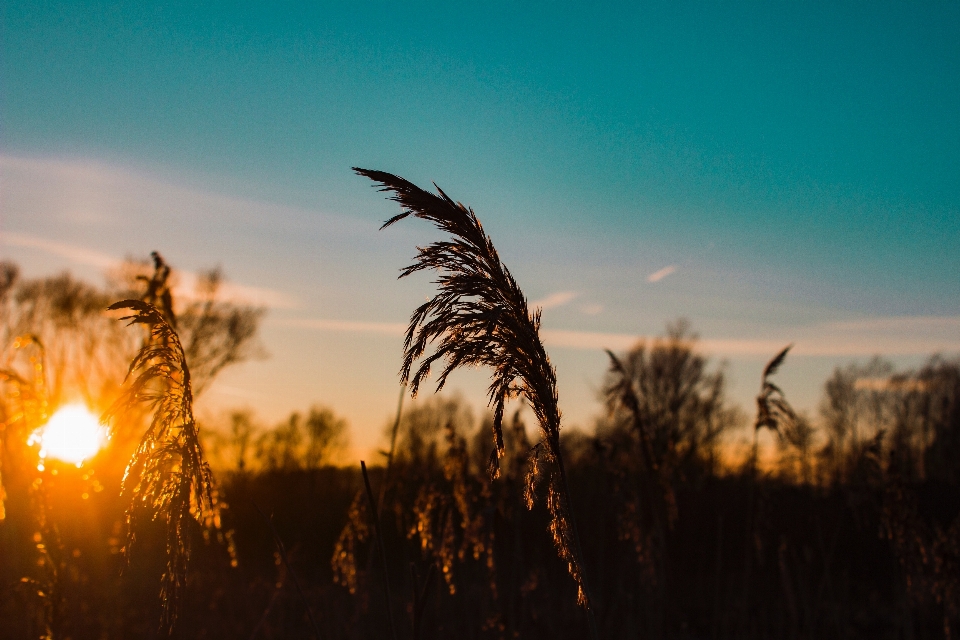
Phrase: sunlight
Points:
(72, 434)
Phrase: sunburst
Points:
(72, 435)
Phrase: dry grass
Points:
(480, 317)
(773, 410)
(168, 477)
(29, 395)
(792, 553)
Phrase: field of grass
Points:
(506, 526)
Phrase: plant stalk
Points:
(383, 551)
(591, 617)
(293, 575)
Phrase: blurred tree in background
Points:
(308, 441)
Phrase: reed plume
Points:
(168, 476)
(157, 288)
(480, 317)
(773, 410)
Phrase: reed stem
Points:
(383, 551)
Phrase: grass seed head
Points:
(168, 477)
(480, 317)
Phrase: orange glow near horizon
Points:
(72, 435)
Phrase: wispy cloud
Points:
(886, 336)
(557, 299)
(901, 323)
(74, 254)
(590, 340)
(657, 276)
(592, 309)
(185, 288)
(346, 326)
(820, 340)
(887, 384)
(85, 192)
(259, 296)
(235, 392)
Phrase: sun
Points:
(72, 434)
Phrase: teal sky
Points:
(791, 170)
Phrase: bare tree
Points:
(859, 401)
(664, 394)
(216, 333)
(303, 442)
(85, 350)
(666, 413)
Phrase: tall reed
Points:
(480, 317)
(773, 412)
(168, 477)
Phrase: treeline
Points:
(851, 531)
(238, 442)
(848, 529)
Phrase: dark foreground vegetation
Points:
(655, 525)
(866, 550)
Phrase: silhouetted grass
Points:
(168, 477)
(480, 317)
(852, 532)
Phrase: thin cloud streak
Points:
(185, 288)
(240, 293)
(815, 345)
(906, 385)
(235, 392)
(92, 193)
(557, 299)
(346, 326)
(661, 274)
(820, 341)
(75, 254)
(589, 340)
(901, 323)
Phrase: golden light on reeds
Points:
(72, 435)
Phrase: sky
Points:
(774, 172)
